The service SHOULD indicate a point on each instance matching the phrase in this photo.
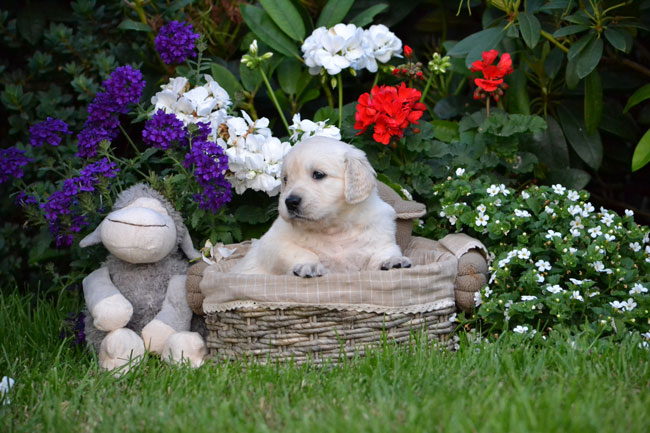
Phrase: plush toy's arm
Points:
(109, 308)
(174, 316)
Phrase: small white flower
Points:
(5, 385)
(512, 253)
(646, 335)
(504, 262)
(478, 300)
(558, 189)
(598, 266)
(575, 233)
(607, 219)
(528, 298)
(452, 219)
(525, 195)
(493, 190)
(629, 212)
(617, 305)
(592, 294)
(594, 232)
(460, 172)
(487, 292)
(555, 288)
(635, 246)
(522, 213)
(481, 208)
(576, 295)
(549, 210)
(540, 278)
(453, 318)
(574, 210)
(573, 195)
(577, 223)
(572, 250)
(504, 190)
(520, 329)
(543, 265)
(406, 194)
(524, 254)
(482, 220)
(629, 305)
(587, 209)
(638, 289)
(609, 238)
(576, 282)
(553, 234)
(497, 202)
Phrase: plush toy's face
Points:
(142, 232)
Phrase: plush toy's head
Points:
(143, 228)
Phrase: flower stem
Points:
(137, 151)
(340, 86)
(487, 106)
(274, 99)
(426, 87)
(555, 42)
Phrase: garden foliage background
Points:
(569, 112)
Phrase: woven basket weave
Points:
(316, 334)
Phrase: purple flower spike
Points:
(164, 131)
(175, 42)
(11, 161)
(48, 131)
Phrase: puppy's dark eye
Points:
(318, 175)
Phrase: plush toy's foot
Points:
(112, 313)
(185, 347)
(119, 348)
(155, 334)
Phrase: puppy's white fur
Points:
(340, 224)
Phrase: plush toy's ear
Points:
(359, 177)
(187, 246)
(92, 239)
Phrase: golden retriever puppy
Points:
(331, 218)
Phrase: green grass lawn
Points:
(507, 386)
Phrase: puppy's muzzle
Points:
(293, 204)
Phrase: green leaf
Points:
(261, 24)
(226, 79)
(551, 147)
(517, 96)
(334, 12)
(578, 18)
(251, 214)
(366, 17)
(530, 28)
(593, 101)
(589, 58)
(637, 97)
(569, 30)
(250, 79)
(445, 130)
(288, 75)
(573, 178)
(326, 113)
(128, 24)
(642, 152)
(588, 146)
(309, 95)
(572, 79)
(579, 45)
(491, 37)
(285, 15)
(616, 38)
(553, 62)
(31, 23)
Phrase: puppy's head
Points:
(321, 179)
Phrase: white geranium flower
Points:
(528, 298)
(576, 295)
(637, 289)
(629, 212)
(555, 288)
(522, 213)
(558, 189)
(482, 219)
(493, 190)
(380, 45)
(524, 254)
(550, 234)
(543, 265)
(520, 329)
(594, 232)
(635, 246)
(460, 172)
(573, 195)
(301, 129)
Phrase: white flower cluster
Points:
(348, 46)
(206, 104)
(254, 155)
(301, 129)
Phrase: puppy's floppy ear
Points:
(359, 176)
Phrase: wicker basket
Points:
(316, 334)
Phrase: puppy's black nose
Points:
(292, 202)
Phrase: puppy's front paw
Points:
(309, 270)
(396, 262)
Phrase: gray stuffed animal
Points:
(137, 299)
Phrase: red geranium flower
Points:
(390, 109)
(492, 74)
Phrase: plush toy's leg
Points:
(183, 347)
(120, 347)
(174, 316)
(109, 309)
